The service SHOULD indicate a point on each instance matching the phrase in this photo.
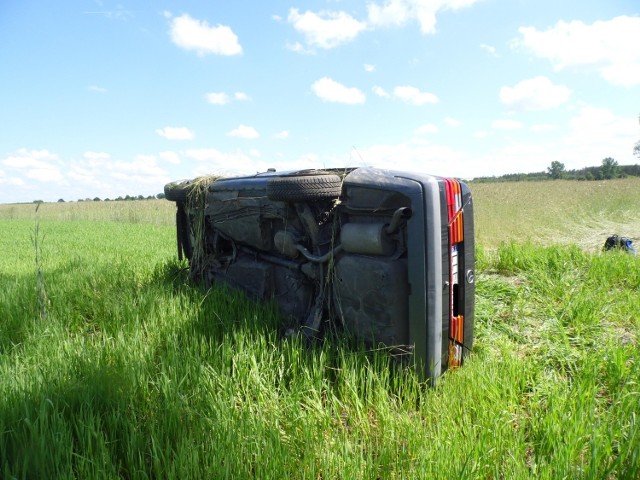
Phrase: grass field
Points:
(557, 212)
(113, 365)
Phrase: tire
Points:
(177, 191)
(303, 188)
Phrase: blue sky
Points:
(102, 98)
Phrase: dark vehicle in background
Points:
(386, 255)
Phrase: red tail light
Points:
(456, 237)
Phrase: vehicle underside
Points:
(379, 254)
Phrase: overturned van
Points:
(386, 255)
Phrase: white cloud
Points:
(40, 165)
(369, 68)
(170, 157)
(427, 128)
(222, 98)
(96, 89)
(175, 133)
(433, 159)
(624, 74)
(12, 181)
(392, 13)
(214, 161)
(331, 91)
(611, 46)
(283, 135)
(399, 12)
(480, 134)
(49, 174)
(96, 156)
(599, 125)
(381, 92)
(96, 159)
(203, 154)
(82, 178)
(244, 131)
(329, 29)
(141, 165)
(506, 124)
(217, 98)
(138, 176)
(43, 174)
(537, 93)
(489, 49)
(413, 95)
(89, 177)
(452, 122)
(407, 94)
(325, 29)
(139, 182)
(543, 127)
(297, 47)
(24, 159)
(191, 34)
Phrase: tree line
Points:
(609, 169)
(127, 198)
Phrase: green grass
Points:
(159, 212)
(136, 373)
(559, 211)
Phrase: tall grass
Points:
(138, 373)
(159, 212)
(559, 211)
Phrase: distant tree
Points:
(128, 197)
(556, 170)
(61, 200)
(160, 196)
(38, 201)
(119, 199)
(589, 175)
(609, 169)
(107, 199)
(97, 199)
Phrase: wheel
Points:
(177, 191)
(302, 188)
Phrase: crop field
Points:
(114, 365)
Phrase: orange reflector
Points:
(456, 236)
(455, 355)
(454, 210)
(456, 331)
